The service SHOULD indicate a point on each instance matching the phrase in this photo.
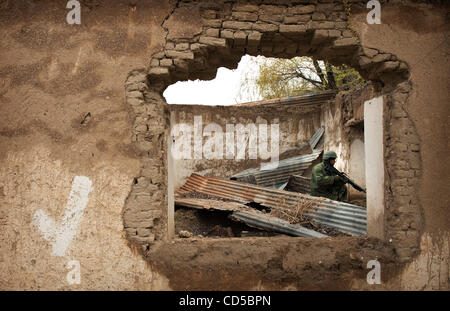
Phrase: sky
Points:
(224, 90)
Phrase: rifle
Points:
(333, 171)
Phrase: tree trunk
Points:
(320, 73)
(330, 75)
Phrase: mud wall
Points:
(63, 114)
(405, 31)
(343, 120)
(66, 112)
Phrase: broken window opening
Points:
(316, 127)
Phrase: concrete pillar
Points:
(170, 185)
(374, 152)
(357, 165)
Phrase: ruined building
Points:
(86, 176)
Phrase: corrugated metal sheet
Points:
(348, 218)
(316, 138)
(250, 216)
(299, 183)
(308, 100)
(277, 177)
(303, 148)
(270, 223)
(209, 204)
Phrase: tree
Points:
(300, 75)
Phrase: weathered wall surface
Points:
(418, 35)
(65, 113)
(343, 120)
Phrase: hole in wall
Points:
(200, 57)
(299, 97)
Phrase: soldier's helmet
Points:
(329, 155)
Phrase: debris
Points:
(198, 195)
(303, 149)
(185, 234)
(249, 216)
(202, 221)
(300, 162)
(220, 231)
(309, 223)
(347, 218)
(277, 177)
(299, 184)
(216, 204)
(270, 223)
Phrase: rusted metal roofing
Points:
(313, 99)
(277, 177)
(250, 216)
(348, 218)
(299, 183)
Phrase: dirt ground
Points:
(209, 224)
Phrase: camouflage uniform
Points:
(323, 184)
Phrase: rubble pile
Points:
(275, 200)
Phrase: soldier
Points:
(324, 184)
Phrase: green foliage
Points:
(347, 78)
(300, 75)
(278, 78)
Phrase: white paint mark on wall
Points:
(357, 162)
(60, 236)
